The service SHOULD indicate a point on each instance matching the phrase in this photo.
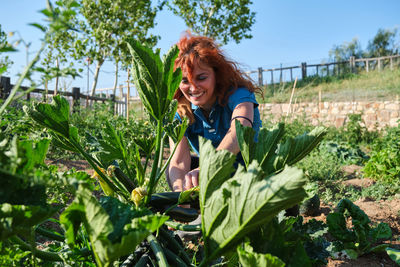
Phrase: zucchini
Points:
(183, 214)
(174, 245)
(184, 227)
(125, 180)
(50, 234)
(160, 200)
(174, 259)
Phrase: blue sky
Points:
(286, 32)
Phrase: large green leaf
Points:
(34, 153)
(269, 153)
(147, 74)
(114, 230)
(171, 78)
(112, 145)
(249, 258)
(54, 116)
(20, 190)
(233, 207)
(155, 80)
(19, 219)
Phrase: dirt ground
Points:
(387, 211)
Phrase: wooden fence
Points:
(120, 105)
(333, 68)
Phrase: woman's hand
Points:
(192, 178)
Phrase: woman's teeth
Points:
(196, 95)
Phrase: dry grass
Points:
(371, 86)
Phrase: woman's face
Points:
(200, 89)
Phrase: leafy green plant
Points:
(361, 238)
(293, 241)
(384, 164)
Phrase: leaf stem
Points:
(44, 255)
(21, 79)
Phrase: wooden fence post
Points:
(367, 65)
(303, 70)
(291, 74)
(260, 77)
(76, 93)
(113, 103)
(391, 63)
(352, 64)
(5, 87)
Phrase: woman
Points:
(213, 94)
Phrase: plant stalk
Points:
(21, 79)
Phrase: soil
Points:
(387, 211)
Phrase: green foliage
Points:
(233, 207)
(5, 62)
(114, 228)
(361, 237)
(384, 163)
(155, 80)
(248, 258)
(222, 20)
(346, 154)
(383, 44)
(271, 156)
(294, 242)
(346, 50)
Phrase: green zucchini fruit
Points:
(160, 200)
(183, 214)
(125, 180)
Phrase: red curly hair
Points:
(203, 50)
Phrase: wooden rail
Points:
(351, 65)
(119, 105)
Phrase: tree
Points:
(346, 50)
(5, 62)
(105, 25)
(383, 44)
(223, 20)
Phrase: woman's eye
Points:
(201, 78)
(185, 81)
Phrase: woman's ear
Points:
(185, 109)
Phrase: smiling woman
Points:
(213, 94)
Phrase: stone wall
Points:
(375, 115)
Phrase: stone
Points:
(339, 122)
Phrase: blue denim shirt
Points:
(218, 124)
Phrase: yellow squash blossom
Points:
(106, 188)
(137, 195)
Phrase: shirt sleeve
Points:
(177, 117)
(241, 95)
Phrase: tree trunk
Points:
(95, 78)
(115, 85)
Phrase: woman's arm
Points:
(229, 142)
(179, 165)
